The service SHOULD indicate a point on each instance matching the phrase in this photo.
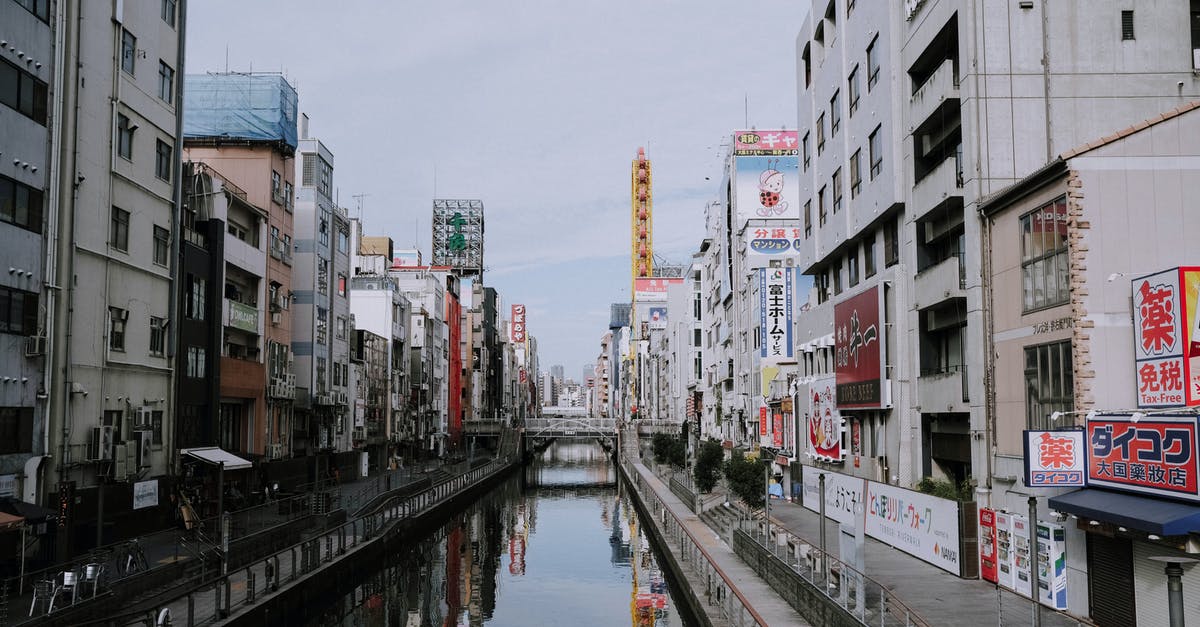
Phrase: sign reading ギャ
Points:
(1155, 456)
(1055, 459)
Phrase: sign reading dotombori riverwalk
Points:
(1055, 458)
(1153, 456)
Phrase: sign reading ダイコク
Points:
(1155, 456)
(1055, 459)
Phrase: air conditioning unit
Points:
(121, 461)
(35, 346)
(142, 440)
(100, 444)
(276, 317)
(276, 451)
(1196, 59)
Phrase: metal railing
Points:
(865, 599)
(719, 591)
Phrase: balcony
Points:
(941, 282)
(940, 187)
(941, 86)
(943, 390)
(242, 317)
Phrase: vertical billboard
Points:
(775, 314)
(458, 235)
(518, 324)
(1166, 347)
(858, 351)
(825, 427)
(1150, 456)
(766, 176)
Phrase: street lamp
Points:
(1174, 572)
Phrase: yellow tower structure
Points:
(642, 249)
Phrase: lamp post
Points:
(1034, 576)
(1174, 572)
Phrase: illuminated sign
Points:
(1156, 456)
(1055, 459)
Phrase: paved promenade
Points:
(773, 609)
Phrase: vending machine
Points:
(1052, 565)
(987, 544)
(1004, 550)
(1021, 554)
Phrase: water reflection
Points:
(559, 545)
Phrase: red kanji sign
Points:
(1055, 458)
(1156, 456)
(1158, 322)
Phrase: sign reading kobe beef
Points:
(858, 356)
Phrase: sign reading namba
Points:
(858, 352)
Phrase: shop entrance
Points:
(1110, 573)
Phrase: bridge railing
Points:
(605, 426)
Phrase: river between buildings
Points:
(560, 545)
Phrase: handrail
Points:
(632, 471)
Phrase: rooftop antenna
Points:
(359, 198)
(746, 108)
(226, 58)
(435, 180)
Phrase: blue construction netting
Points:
(239, 106)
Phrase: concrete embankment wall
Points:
(690, 596)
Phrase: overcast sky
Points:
(536, 107)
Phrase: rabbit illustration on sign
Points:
(770, 185)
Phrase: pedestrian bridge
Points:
(573, 424)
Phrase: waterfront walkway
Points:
(758, 595)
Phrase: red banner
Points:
(777, 435)
(1151, 456)
(762, 421)
(858, 356)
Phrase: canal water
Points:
(560, 545)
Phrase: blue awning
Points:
(1159, 516)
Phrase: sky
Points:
(535, 107)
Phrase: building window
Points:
(891, 243)
(116, 328)
(276, 188)
(162, 162)
(852, 90)
(158, 336)
(1049, 383)
(196, 357)
(804, 151)
(289, 195)
(323, 277)
(23, 92)
(875, 151)
(807, 218)
(20, 204)
(855, 174)
(1044, 269)
(836, 184)
(821, 207)
(197, 298)
(341, 327)
(162, 245)
(124, 137)
(869, 255)
(1127, 25)
(323, 228)
(118, 237)
(16, 430)
(1195, 13)
(837, 278)
(820, 133)
(166, 82)
(322, 325)
(18, 311)
(873, 63)
(822, 285)
(835, 113)
(341, 284)
(128, 51)
(40, 8)
(852, 267)
(168, 12)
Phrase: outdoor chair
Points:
(43, 591)
(67, 590)
(91, 576)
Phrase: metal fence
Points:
(719, 591)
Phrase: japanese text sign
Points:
(777, 432)
(646, 289)
(1155, 456)
(1166, 355)
(767, 243)
(762, 421)
(766, 175)
(518, 324)
(921, 525)
(858, 352)
(1055, 459)
(775, 313)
